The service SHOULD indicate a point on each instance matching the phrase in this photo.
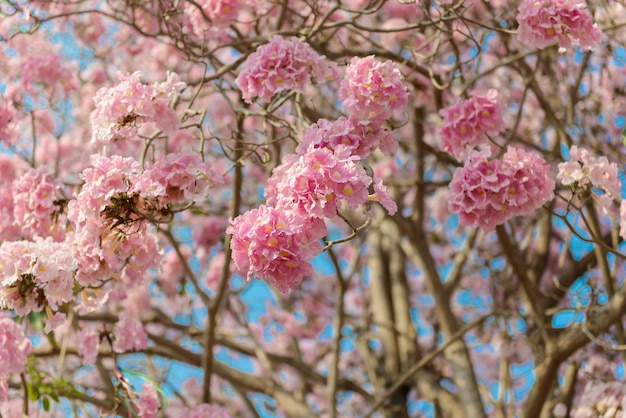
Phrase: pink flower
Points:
(35, 274)
(282, 64)
(87, 343)
(318, 182)
(221, 12)
(371, 90)
(383, 196)
(348, 132)
(129, 335)
(147, 401)
(120, 109)
(467, 122)
(47, 69)
(487, 193)
(178, 178)
(35, 197)
(543, 21)
(274, 245)
(14, 347)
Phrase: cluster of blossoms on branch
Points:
(282, 65)
(596, 178)
(584, 173)
(569, 22)
(486, 193)
(277, 242)
(14, 350)
(119, 198)
(467, 123)
(120, 110)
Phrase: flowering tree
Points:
(306, 208)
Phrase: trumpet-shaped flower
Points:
(569, 22)
(486, 193)
(282, 64)
(275, 245)
(371, 90)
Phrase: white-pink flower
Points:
(584, 172)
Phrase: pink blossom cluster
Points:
(323, 176)
(129, 334)
(35, 203)
(601, 399)
(585, 172)
(111, 212)
(122, 108)
(348, 132)
(282, 64)
(221, 12)
(372, 90)
(486, 193)
(178, 178)
(467, 123)
(47, 69)
(35, 274)
(317, 183)
(118, 186)
(568, 21)
(10, 170)
(14, 347)
(275, 245)
(147, 401)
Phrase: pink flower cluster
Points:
(47, 69)
(35, 274)
(275, 245)
(348, 132)
(178, 178)
(372, 90)
(148, 401)
(14, 347)
(585, 172)
(282, 64)
(120, 109)
(467, 122)
(318, 182)
(221, 12)
(543, 21)
(111, 212)
(601, 399)
(129, 335)
(486, 193)
(111, 181)
(35, 202)
(276, 242)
